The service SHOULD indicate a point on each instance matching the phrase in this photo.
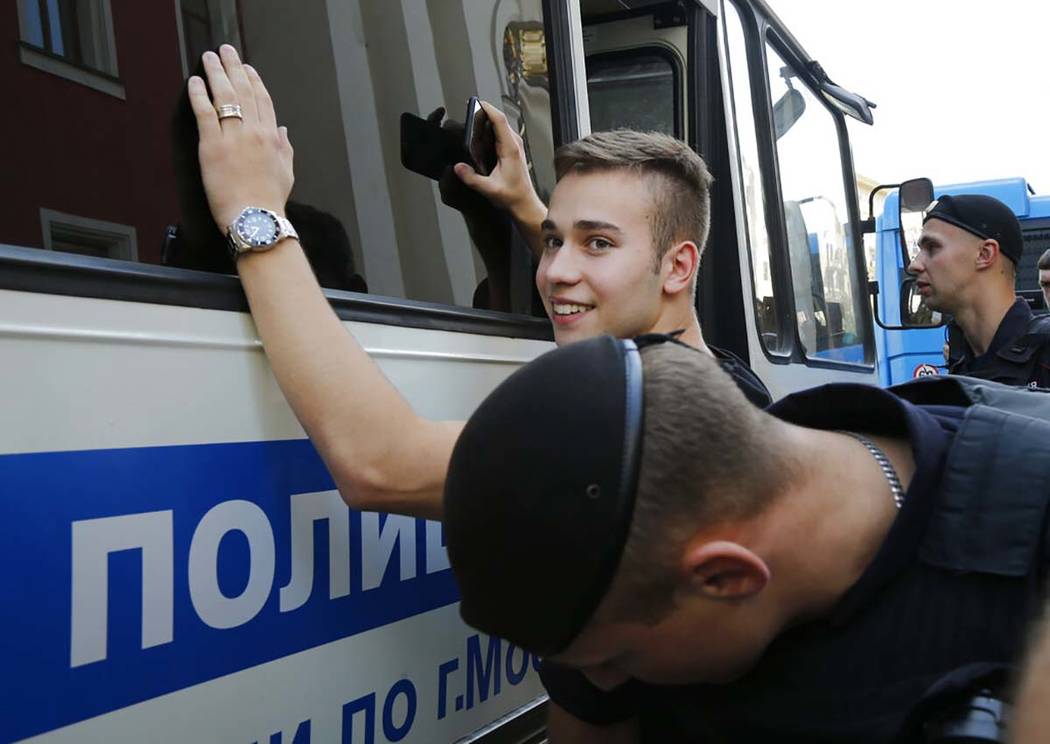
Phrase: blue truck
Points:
(908, 349)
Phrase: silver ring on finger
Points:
(229, 111)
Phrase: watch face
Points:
(256, 227)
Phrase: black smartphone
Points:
(428, 148)
(479, 140)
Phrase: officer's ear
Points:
(987, 254)
(722, 570)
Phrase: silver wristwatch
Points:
(257, 229)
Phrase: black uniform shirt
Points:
(1018, 355)
(743, 376)
(853, 675)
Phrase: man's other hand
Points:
(509, 185)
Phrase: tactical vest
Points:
(1002, 447)
(1015, 363)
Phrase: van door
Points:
(793, 177)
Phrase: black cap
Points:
(983, 216)
(540, 493)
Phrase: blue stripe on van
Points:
(43, 494)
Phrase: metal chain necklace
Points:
(884, 464)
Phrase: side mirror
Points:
(916, 195)
(787, 110)
(914, 198)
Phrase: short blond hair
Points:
(682, 194)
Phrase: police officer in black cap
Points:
(808, 573)
(966, 267)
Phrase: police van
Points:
(179, 566)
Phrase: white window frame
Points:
(103, 79)
(123, 239)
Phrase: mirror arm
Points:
(873, 290)
(868, 225)
(874, 192)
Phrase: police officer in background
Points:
(966, 267)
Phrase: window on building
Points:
(79, 31)
(87, 237)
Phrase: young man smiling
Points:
(643, 198)
(599, 274)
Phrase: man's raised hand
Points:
(245, 160)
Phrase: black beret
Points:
(983, 216)
(540, 493)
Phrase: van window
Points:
(635, 89)
(823, 269)
(114, 175)
(766, 313)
